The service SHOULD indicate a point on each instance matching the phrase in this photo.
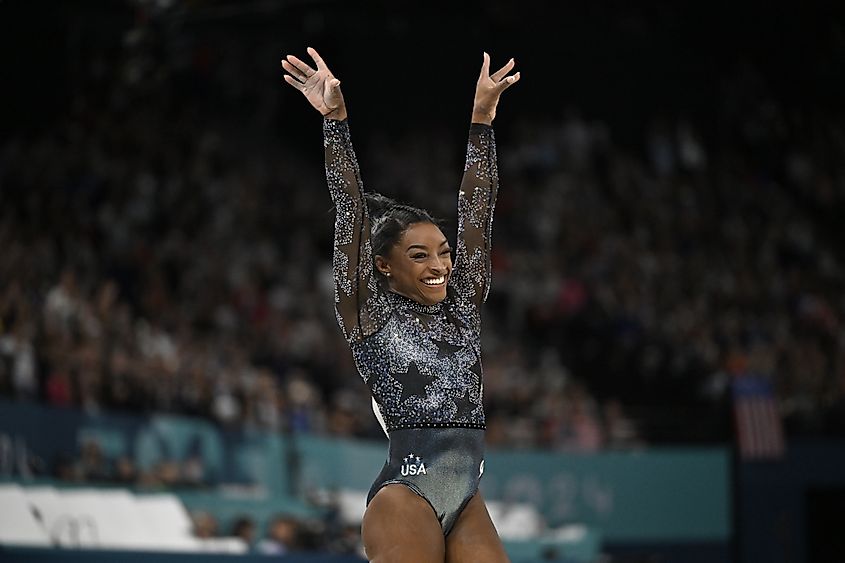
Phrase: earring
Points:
(387, 274)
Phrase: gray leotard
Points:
(421, 363)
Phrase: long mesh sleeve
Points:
(476, 201)
(359, 306)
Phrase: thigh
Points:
(400, 527)
(474, 538)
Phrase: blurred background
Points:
(664, 341)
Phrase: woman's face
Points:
(419, 265)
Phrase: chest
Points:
(439, 344)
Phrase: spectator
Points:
(244, 529)
(205, 524)
(282, 536)
(125, 472)
(620, 431)
(93, 465)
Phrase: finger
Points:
(485, 66)
(301, 65)
(502, 72)
(333, 87)
(333, 95)
(295, 83)
(295, 72)
(318, 60)
(508, 82)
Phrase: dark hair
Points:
(242, 524)
(389, 220)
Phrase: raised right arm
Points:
(358, 305)
(359, 308)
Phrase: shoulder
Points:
(462, 310)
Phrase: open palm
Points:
(490, 87)
(320, 87)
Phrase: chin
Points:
(435, 298)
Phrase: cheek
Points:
(411, 270)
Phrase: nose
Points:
(438, 265)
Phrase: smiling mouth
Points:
(434, 282)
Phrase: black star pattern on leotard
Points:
(476, 368)
(445, 349)
(473, 232)
(465, 406)
(413, 383)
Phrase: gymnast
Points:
(413, 322)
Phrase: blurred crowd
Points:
(162, 252)
(284, 534)
(676, 267)
(92, 465)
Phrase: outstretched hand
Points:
(489, 88)
(320, 87)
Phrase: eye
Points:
(446, 251)
(418, 256)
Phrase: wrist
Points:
(338, 113)
(485, 117)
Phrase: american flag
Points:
(758, 425)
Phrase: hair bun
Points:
(378, 204)
(389, 219)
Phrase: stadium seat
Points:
(111, 515)
(516, 521)
(18, 524)
(168, 521)
(352, 504)
(62, 527)
(102, 519)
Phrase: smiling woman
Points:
(419, 264)
(413, 323)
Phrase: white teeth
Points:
(435, 281)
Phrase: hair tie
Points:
(378, 223)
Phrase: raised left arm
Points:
(476, 201)
(479, 187)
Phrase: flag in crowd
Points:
(759, 428)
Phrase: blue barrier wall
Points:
(659, 495)
(679, 494)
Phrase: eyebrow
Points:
(424, 247)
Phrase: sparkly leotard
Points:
(422, 363)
